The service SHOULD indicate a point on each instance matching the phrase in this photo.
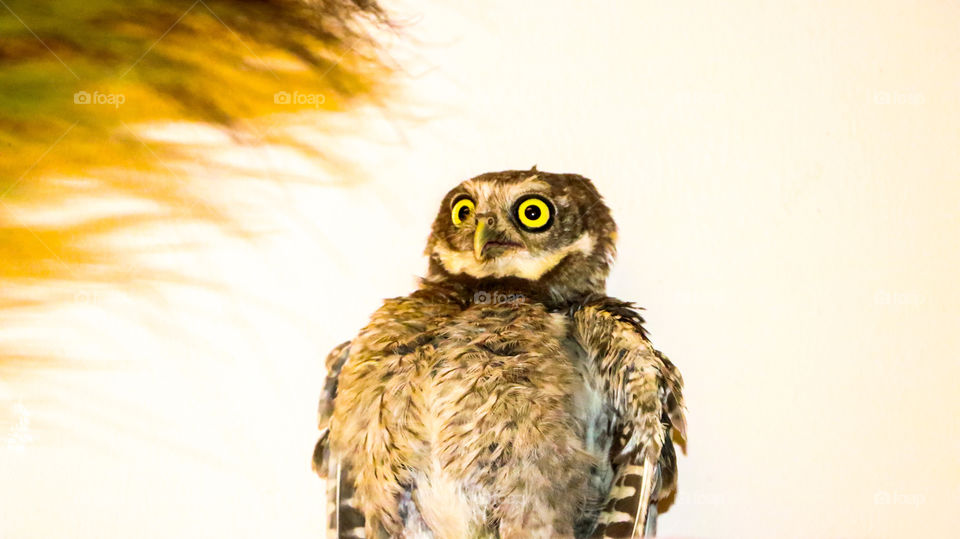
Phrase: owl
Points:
(508, 396)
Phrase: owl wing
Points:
(346, 520)
(334, 363)
(645, 390)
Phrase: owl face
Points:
(522, 224)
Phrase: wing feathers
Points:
(647, 387)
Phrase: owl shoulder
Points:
(608, 307)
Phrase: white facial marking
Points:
(515, 263)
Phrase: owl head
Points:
(531, 229)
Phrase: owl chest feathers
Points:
(471, 406)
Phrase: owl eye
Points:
(462, 210)
(534, 213)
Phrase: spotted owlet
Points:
(508, 396)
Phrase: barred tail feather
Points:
(616, 518)
(648, 484)
(630, 509)
(346, 520)
(631, 505)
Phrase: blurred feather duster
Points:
(77, 75)
(79, 78)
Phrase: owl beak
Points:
(481, 237)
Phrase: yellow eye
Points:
(534, 213)
(462, 211)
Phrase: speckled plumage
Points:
(508, 396)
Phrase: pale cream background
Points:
(786, 180)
